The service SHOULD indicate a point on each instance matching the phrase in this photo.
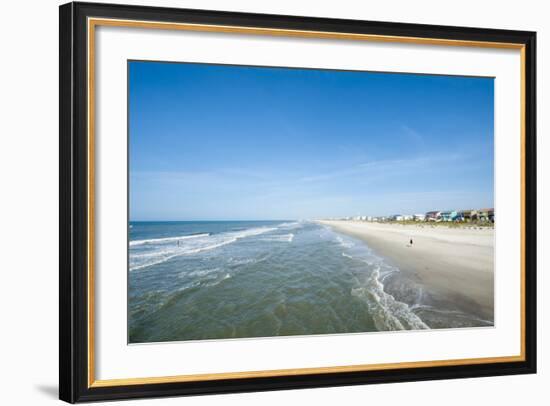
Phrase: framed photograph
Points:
(256, 202)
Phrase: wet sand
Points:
(454, 263)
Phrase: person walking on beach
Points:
(411, 242)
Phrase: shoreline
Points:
(456, 265)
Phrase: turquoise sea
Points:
(234, 279)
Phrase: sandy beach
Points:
(455, 264)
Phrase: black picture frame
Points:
(74, 200)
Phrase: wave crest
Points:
(146, 253)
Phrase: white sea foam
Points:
(291, 226)
(384, 276)
(167, 239)
(156, 251)
(344, 243)
(453, 313)
(188, 286)
(200, 273)
(280, 238)
(242, 261)
(387, 312)
(218, 281)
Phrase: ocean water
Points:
(219, 280)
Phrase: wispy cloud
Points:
(386, 167)
(364, 172)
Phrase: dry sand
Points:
(457, 263)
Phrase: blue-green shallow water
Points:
(217, 280)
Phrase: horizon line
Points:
(174, 221)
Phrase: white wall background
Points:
(29, 188)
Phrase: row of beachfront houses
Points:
(483, 215)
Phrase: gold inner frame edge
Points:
(92, 23)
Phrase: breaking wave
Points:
(146, 253)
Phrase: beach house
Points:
(468, 215)
(449, 215)
(486, 215)
(432, 216)
(419, 217)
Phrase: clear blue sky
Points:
(210, 142)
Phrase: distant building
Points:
(432, 216)
(408, 217)
(449, 215)
(419, 217)
(468, 215)
(486, 215)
